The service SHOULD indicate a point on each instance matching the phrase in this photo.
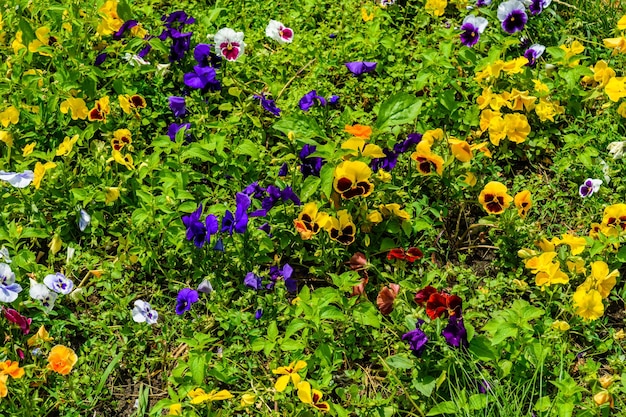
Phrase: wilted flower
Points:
(83, 220)
(616, 149)
(471, 28)
(14, 317)
(386, 297)
(143, 313)
(205, 287)
(268, 104)
(512, 14)
(279, 32)
(229, 44)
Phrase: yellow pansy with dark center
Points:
(523, 202)
(310, 221)
(352, 179)
(614, 216)
(427, 162)
(341, 229)
(494, 198)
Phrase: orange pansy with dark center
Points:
(494, 198)
(523, 202)
(427, 162)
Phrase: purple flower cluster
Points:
(203, 77)
(174, 29)
(391, 159)
(360, 67)
(268, 104)
(276, 273)
(269, 197)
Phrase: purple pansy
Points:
(416, 339)
(196, 230)
(455, 333)
(308, 100)
(268, 104)
(127, 25)
(202, 78)
(285, 273)
(177, 106)
(253, 281)
(283, 170)
(481, 3)
(258, 314)
(310, 165)
(360, 67)
(173, 129)
(239, 221)
(100, 59)
(533, 53)
(14, 317)
(471, 29)
(212, 226)
(512, 15)
(537, 6)
(185, 298)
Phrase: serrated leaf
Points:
(366, 314)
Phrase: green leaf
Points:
(123, 10)
(446, 407)
(303, 127)
(543, 404)
(399, 109)
(477, 401)
(332, 313)
(289, 345)
(247, 147)
(327, 176)
(309, 187)
(272, 331)
(258, 344)
(366, 314)
(448, 100)
(425, 384)
(481, 347)
(294, 326)
(198, 150)
(401, 362)
(197, 365)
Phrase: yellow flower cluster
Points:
(493, 71)
(306, 394)
(8, 368)
(618, 44)
(310, 221)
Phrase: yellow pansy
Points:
(546, 109)
(430, 136)
(366, 16)
(17, 44)
(40, 171)
(341, 229)
(469, 178)
(460, 149)
(435, 7)
(247, 400)
(374, 217)
(560, 325)
(621, 110)
(497, 129)
(111, 194)
(40, 337)
(485, 118)
(523, 201)
(540, 87)
(111, 21)
(289, 373)
(66, 146)
(515, 66)
(383, 175)
(616, 88)
(517, 127)
(55, 244)
(361, 147)
(575, 48)
(494, 198)
(28, 149)
(602, 73)
(576, 244)
(576, 265)
(10, 115)
(132, 103)
(618, 45)
(100, 110)
(490, 71)
(7, 138)
(126, 160)
(43, 39)
(601, 279)
(310, 221)
(395, 210)
(77, 106)
(175, 410)
(312, 397)
(551, 275)
(588, 304)
(520, 100)
(427, 162)
(198, 395)
(352, 179)
(540, 263)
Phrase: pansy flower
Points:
(537, 6)
(196, 230)
(312, 397)
(18, 179)
(42, 293)
(285, 273)
(494, 198)
(512, 15)
(100, 110)
(62, 359)
(533, 53)
(238, 222)
(288, 373)
(121, 138)
(59, 283)
(342, 228)
(203, 56)
(253, 281)
(308, 100)
(615, 215)
(310, 221)
(523, 201)
(360, 67)
(143, 313)
(352, 179)
(472, 28)
(455, 332)
(386, 297)
(202, 78)
(416, 339)
(76, 106)
(83, 220)
(212, 226)
(268, 104)
(229, 44)
(16, 318)
(589, 187)
(132, 103)
(279, 32)
(427, 162)
(173, 128)
(185, 298)
(177, 106)
(199, 396)
(310, 165)
(9, 290)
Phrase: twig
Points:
(294, 77)
(566, 4)
(479, 247)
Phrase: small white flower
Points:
(616, 149)
(205, 287)
(4, 255)
(135, 59)
(70, 254)
(18, 179)
(59, 283)
(279, 32)
(42, 293)
(143, 313)
(162, 69)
